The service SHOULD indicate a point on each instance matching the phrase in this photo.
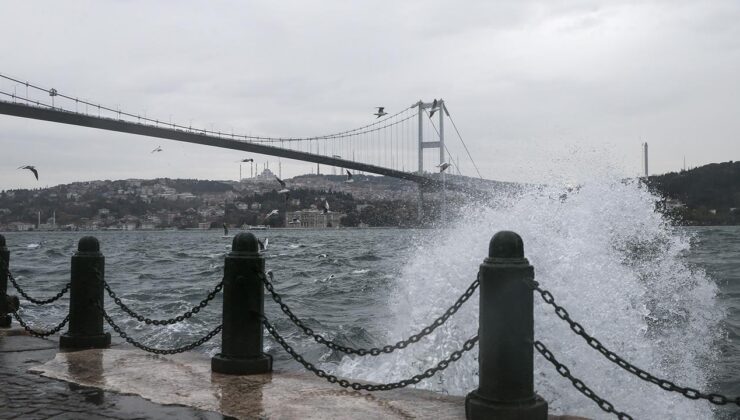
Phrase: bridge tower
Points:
(435, 106)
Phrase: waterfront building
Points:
(312, 218)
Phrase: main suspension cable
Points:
(257, 139)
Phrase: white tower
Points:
(645, 157)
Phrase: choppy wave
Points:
(618, 267)
(615, 264)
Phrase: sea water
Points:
(665, 298)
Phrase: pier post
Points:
(86, 291)
(8, 303)
(241, 337)
(5, 318)
(506, 330)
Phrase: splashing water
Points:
(616, 266)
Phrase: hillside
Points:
(707, 195)
(187, 203)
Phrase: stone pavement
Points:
(26, 395)
(38, 382)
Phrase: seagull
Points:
(263, 244)
(286, 192)
(444, 166)
(270, 214)
(247, 160)
(321, 256)
(282, 183)
(32, 169)
(157, 149)
(380, 112)
(326, 207)
(434, 108)
(349, 176)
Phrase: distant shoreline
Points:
(214, 230)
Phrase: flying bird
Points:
(434, 108)
(263, 243)
(444, 166)
(248, 160)
(157, 149)
(282, 183)
(380, 112)
(326, 207)
(32, 169)
(286, 192)
(270, 214)
(349, 176)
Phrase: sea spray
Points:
(613, 262)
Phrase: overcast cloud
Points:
(528, 83)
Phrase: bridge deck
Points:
(73, 118)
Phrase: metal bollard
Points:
(5, 318)
(241, 337)
(85, 319)
(506, 330)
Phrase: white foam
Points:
(609, 259)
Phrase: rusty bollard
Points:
(241, 337)
(506, 330)
(85, 294)
(5, 318)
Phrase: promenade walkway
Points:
(39, 382)
(28, 395)
(124, 383)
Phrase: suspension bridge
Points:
(393, 146)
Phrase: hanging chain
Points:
(442, 365)
(375, 351)
(665, 384)
(38, 333)
(578, 384)
(31, 299)
(194, 310)
(146, 348)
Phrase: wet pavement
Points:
(26, 395)
(186, 379)
(39, 382)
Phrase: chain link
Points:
(442, 365)
(38, 333)
(375, 351)
(146, 348)
(578, 384)
(37, 301)
(194, 310)
(665, 384)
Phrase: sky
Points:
(535, 88)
